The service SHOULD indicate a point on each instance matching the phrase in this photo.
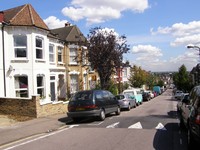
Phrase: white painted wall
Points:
(1, 64)
(30, 66)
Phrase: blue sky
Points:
(157, 31)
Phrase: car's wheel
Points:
(102, 115)
(118, 111)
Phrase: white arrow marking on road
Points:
(71, 126)
(113, 125)
(136, 126)
(160, 126)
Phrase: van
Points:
(157, 89)
(92, 103)
(135, 93)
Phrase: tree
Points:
(181, 79)
(105, 52)
(150, 80)
(137, 77)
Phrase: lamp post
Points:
(195, 47)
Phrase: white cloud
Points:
(146, 50)
(184, 34)
(148, 57)
(97, 11)
(52, 22)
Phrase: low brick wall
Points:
(31, 107)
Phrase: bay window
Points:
(39, 44)
(20, 46)
(40, 86)
(21, 86)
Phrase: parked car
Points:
(146, 96)
(126, 101)
(194, 118)
(189, 115)
(178, 94)
(183, 100)
(135, 93)
(92, 103)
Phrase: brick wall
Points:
(31, 107)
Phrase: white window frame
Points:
(39, 48)
(51, 53)
(73, 53)
(42, 86)
(60, 53)
(19, 47)
(20, 86)
(74, 83)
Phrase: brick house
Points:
(80, 76)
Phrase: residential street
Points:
(152, 125)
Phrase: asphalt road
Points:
(150, 126)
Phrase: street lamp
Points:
(195, 47)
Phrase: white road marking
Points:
(38, 138)
(71, 126)
(95, 124)
(136, 126)
(160, 126)
(113, 125)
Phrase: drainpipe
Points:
(3, 52)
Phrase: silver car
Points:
(126, 101)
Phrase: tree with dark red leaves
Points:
(105, 53)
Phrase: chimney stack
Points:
(67, 24)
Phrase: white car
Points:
(178, 94)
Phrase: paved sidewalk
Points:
(11, 131)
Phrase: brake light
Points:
(197, 120)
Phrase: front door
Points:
(52, 88)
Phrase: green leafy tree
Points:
(150, 80)
(105, 53)
(137, 77)
(181, 79)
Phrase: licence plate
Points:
(80, 109)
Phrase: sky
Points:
(158, 31)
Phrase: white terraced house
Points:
(32, 59)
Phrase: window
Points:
(84, 56)
(40, 86)
(21, 86)
(98, 95)
(20, 46)
(125, 72)
(74, 83)
(60, 53)
(51, 53)
(73, 56)
(39, 48)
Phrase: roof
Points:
(24, 15)
(69, 34)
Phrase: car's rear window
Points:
(120, 97)
(85, 95)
